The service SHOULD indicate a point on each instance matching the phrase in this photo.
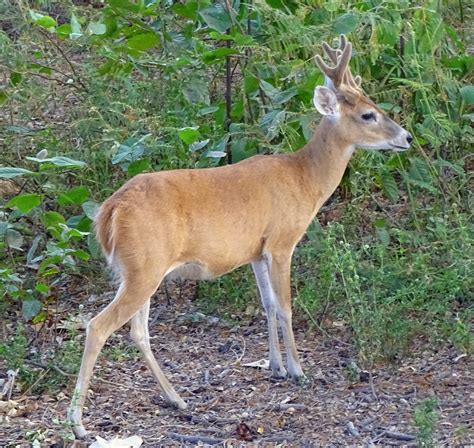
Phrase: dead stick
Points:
(398, 435)
(194, 439)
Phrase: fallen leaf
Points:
(129, 442)
(261, 364)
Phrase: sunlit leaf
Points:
(189, 135)
(142, 42)
(25, 202)
(7, 172)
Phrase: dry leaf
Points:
(261, 364)
(129, 442)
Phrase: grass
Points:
(395, 267)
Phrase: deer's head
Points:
(359, 120)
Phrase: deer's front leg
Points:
(280, 268)
(261, 271)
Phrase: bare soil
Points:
(231, 404)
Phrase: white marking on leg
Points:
(260, 269)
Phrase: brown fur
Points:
(204, 223)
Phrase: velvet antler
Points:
(340, 75)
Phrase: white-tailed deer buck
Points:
(203, 223)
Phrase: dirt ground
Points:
(231, 404)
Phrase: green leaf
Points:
(389, 186)
(52, 219)
(124, 4)
(64, 30)
(251, 83)
(187, 10)
(76, 31)
(8, 172)
(271, 122)
(14, 239)
(96, 28)
(42, 20)
(207, 110)
(15, 78)
(189, 135)
(346, 23)
(210, 57)
(138, 166)
(196, 91)
(30, 308)
(467, 94)
(196, 146)
(81, 254)
(93, 246)
(382, 232)
(42, 288)
(142, 42)
(25, 202)
(3, 96)
(76, 195)
(59, 161)
(285, 5)
(90, 209)
(216, 17)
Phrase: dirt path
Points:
(205, 357)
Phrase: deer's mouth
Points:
(399, 148)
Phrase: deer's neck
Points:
(325, 158)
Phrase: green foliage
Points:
(99, 95)
(425, 420)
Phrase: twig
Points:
(49, 78)
(353, 431)
(194, 439)
(52, 366)
(372, 387)
(397, 435)
(76, 75)
(286, 406)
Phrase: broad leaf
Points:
(189, 135)
(196, 91)
(97, 28)
(142, 42)
(42, 20)
(389, 185)
(210, 57)
(25, 202)
(14, 239)
(30, 308)
(7, 172)
(346, 23)
(216, 17)
(76, 195)
(90, 209)
(467, 94)
(59, 161)
(76, 31)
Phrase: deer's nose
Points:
(409, 138)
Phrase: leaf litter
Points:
(220, 369)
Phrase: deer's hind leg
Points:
(140, 335)
(133, 293)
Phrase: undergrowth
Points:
(93, 96)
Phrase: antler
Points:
(340, 75)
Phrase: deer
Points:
(203, 223)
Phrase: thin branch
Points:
(63, 54)
(194, 439)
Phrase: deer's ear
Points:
(325, 101)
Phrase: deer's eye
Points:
(368, 116)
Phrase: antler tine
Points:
(340, 75)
